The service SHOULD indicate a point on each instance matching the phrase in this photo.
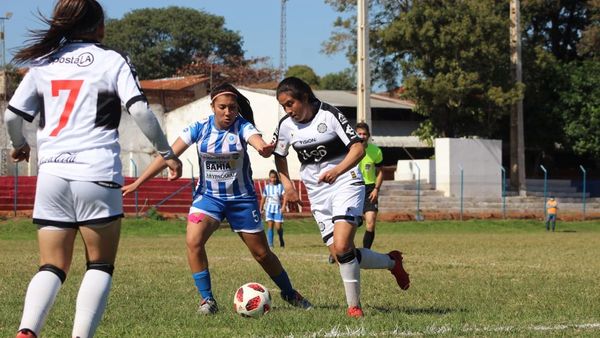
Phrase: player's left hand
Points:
(329, 176)
(21, 154)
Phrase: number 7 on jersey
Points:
(73, 86)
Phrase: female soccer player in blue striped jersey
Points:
(273, 203)
(225, 190)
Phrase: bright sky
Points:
(309, 24)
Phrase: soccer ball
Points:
(252, 300)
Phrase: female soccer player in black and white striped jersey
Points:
(77, 87)
(329, 150)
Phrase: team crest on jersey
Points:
(322, 127)
(231, 139)
(350, 131)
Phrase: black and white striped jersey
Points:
(321, 143)
(78, 92)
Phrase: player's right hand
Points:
(129, 188)
(175, 168)
(21, 154)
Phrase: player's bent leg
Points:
(56, 250)
(101, 243)
(199, 229)
(257, 244)
(343, 235)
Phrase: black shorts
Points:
(368, 206)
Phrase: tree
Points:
(161, 40)
(305, 73)
(344, 80)
(579, 105)
(233, 69)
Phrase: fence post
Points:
(583, 193)
(545, 190)
(135, 193)
(192, 174)
(461, 190)
(503, 192)
(418, 191)
(16, 188)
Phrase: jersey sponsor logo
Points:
(82, 60)
(307, 141)
(353, 174)
(322, 127)
(315, 154)
(215, 165)
(60, 158)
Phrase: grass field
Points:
(472, 278)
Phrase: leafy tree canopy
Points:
(161, 40)
(344, 80)
(305, 73)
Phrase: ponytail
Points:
(70, 19)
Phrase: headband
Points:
(223, 93)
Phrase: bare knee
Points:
(262, 255)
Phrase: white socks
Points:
(350, 273)
(91, 302)
(41, 293)
(374, 260)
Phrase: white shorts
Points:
(63, 203)
(341, 201)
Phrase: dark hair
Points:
(297, 89)
(70, 19)
(273, 171)
(242, 101)
(362, 125)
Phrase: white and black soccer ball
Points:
(252, 300)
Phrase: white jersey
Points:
(273, 194)
(78, 92)
(321, 144)
(225, 171)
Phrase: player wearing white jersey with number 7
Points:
(329, 150)
(77, 86)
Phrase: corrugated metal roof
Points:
(399, 141)
(343, 98)
(173, 83)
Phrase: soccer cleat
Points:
(398, 270)
(297, 300)
(355, 312)
(208, 306)
(25, 333)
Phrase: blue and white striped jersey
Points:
(225, 171)
(274, 194)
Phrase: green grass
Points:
(472, 278)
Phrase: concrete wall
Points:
(481, 161)
(267, 113)
(407, 170)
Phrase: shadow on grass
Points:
(404, 309)
(418, 311)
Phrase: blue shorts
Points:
(274, 216)
(242, 214)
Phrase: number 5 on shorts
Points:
(73, 86)
(255, 216)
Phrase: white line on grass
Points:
(347, 331)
